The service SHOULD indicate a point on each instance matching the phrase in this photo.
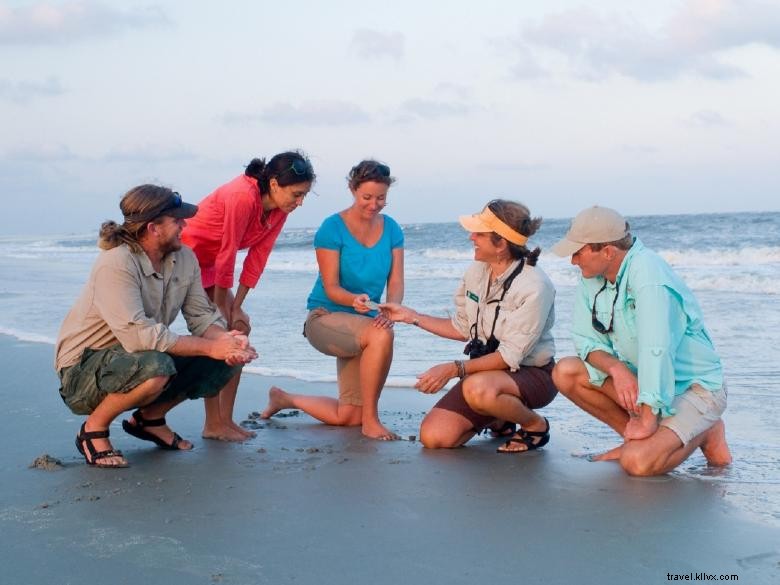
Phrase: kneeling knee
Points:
(432, 438)
(636, 463)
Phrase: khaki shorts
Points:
(338, 334)
(101, 372)
(697, 409)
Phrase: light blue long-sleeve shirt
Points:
(658, 329)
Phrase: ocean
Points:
(731, 262)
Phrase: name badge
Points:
(472, 296)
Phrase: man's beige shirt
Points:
(125, 301)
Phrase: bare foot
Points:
(246, 432)
(714, 447)
(642, 426)
(278, 400)
(376, 430)
(610, 455)
(223, 432)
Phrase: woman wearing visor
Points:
(359, 253)
(246, 213)
(504, 308)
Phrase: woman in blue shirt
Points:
(359, 252)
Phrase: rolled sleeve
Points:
(198, 311)
(257, 258)
(660, 328)
(118, 299)
(238, 214)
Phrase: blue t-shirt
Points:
(362, 269)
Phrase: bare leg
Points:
(227, 402)
(115, 404)
(323, 408)
(219, 424)
(714, 446)
(494, 393)
(375, 363)
(444, 429)
(664, 451)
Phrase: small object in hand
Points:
(371, 305)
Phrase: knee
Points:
(432, 437)
(567, 374)
(636, 461)
(153, 387)
(478, 394)
(379, 336)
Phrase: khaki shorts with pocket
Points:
(697, 409)
(338, 334)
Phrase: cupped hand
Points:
(434, 379)
(359, 303)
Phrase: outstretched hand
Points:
(397, 312)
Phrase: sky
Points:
(649, 107)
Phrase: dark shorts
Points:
(106, 371)
(536, 391)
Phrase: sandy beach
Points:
(304, 503)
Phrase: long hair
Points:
(136, 202)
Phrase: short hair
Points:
(518, 217)
(623, 243)
(369, 170)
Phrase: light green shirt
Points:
(658, 329)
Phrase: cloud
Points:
(514, 167)
(149, 153)
(49, 153)
(47, 23)
(373, 44)
(706, 119)
(23, 92)
(596, 45)
(310, 113)
(429, 109)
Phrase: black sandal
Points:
(505, 430)
(85, 436)
(531, 439)
(137, 430)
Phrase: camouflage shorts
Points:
(105, 371)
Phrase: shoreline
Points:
(303, 501)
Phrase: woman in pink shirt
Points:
(245, 213)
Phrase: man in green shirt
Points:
(115, 350)
(646, 365)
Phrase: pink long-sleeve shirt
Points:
(228, 220)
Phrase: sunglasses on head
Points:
(174, 203)
(598, 325)
(299, 167)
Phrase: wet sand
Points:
(304, 503)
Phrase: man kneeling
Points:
(115, 351)
(646, 364)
